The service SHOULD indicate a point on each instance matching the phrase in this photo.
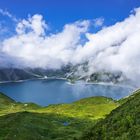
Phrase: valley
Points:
(91, 118)
(62, 121)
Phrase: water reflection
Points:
(54, 91)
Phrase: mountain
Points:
(56, 122)
(15, 74)
(11, 71)
(123, 123)
(69, 72)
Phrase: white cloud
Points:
(99, 22)
(35, 24)
(6, 13)
(114, 48)
(39, 50)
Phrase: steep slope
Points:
(40, 126)
(123, 123)
(72, 73)
(55, 122)
(7, 105)
(5, 101)
(14, 74)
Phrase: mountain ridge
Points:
(122, 123)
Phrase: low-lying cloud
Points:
(113, 48)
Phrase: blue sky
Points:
(111, 49)
(59, 12)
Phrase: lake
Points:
(55, 91)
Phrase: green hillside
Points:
(94, 118)
(5, 101)
(123, 123)
(56, 122)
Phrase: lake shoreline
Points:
(75, 91)
(71, 83)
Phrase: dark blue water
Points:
(45, 92)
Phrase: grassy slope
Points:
(5, 101)
(123, 123)
(7, 105)
(61, 122)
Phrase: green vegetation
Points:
(123, 123)
(56, 122)
(95, 118)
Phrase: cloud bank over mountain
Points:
(114, 48)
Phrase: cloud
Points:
(113, 48)
(98, 22)
(34, 24)
(52, 51)
(6, 13)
